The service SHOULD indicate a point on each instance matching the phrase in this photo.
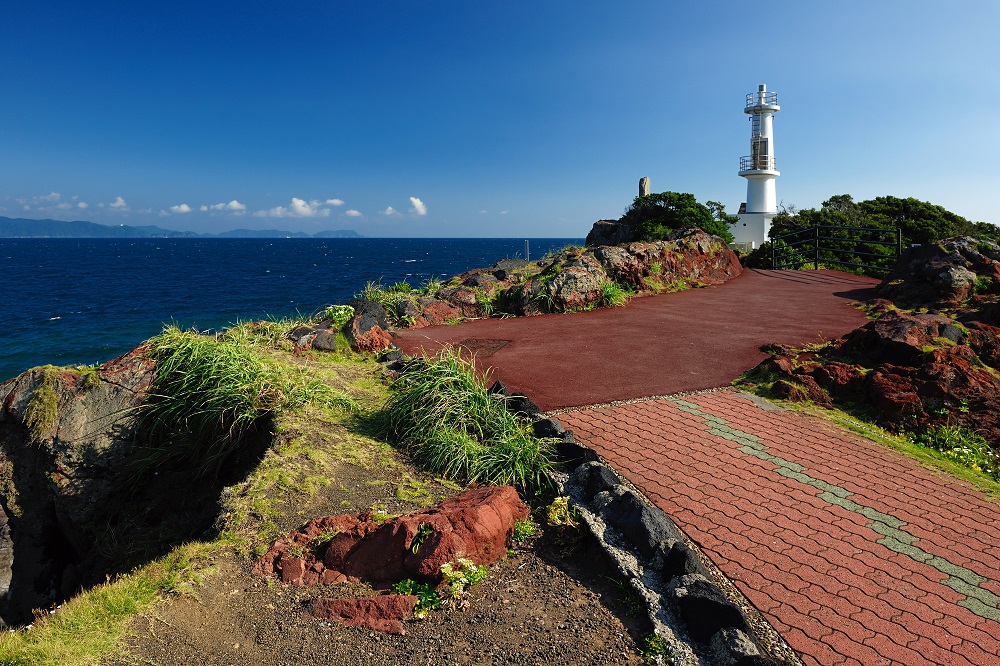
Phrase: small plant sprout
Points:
(424, 530)
(461, 575)
(561, 514)
(656, 650)
(522, 530)
(427, 596)
(338, 314)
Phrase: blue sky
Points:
(483, 118)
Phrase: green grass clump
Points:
(443, 411)
(962, 445)
(209, 391)
(42, 410)
(387, 296)
(613, 295)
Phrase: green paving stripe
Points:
(980, 601)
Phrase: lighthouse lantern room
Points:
(759, 169)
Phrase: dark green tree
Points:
(655, 216)
(920, 221)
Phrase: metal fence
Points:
(822, 244)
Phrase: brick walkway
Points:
(855, 553)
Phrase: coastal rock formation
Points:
(915, 370)
(64, 438)
(944, 274)
(610, 232)
(688, 257)
(475, 524)
(575, 279)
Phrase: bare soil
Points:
(553, 600)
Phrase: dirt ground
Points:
(553, 600)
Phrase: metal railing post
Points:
(899, 242)
(774, 258)
(816, 252)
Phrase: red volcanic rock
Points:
(374, 340)
(914, 370)
(688, 256)
(435, 313)
(383, 613)
(475, 524)
(895, 396)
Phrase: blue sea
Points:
(84, 301)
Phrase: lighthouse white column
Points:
(759, 168)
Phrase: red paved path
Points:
(856, 554)
(799, 545)
(659, 345)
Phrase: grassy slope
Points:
(93, 623)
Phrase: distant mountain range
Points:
(24, 228)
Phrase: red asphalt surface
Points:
(656, 345)
(854, 552)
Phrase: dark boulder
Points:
(943, 274)
(610, 232)
(368, 329)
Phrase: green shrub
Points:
(442, 410)
(522, 530)
(461, 575)
(655, 216)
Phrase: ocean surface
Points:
(84, 301)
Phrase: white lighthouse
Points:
(759, 170)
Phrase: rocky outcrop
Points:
(368, 329)
(575, 279)
(475, 525)
(610, 232)
(914, 370)
(689, 257)
(944, 274)
(321, 337)
(64, 438)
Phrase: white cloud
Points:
(352, 213)
(83, 205)
(203, 208)
(335, 202)
(118, 204)
(418, 206)
(182, 208)
(52, 197)
(64, 206)
(504, 212)
(233, 205)
(483, 212)
(298, 208)
(390, 211)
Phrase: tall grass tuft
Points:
(613, 295)
(444, 413)
(209, 391)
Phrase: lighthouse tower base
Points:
(752, 229)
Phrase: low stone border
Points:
(682, 598)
